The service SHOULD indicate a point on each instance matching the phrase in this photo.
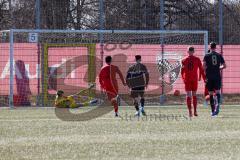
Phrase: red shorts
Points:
(206, 91)
(112, 91)
(191, 85)
(111, 96)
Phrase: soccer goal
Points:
(34, 64)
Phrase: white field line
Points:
(165, 106)
(27, 120)
(52, 119)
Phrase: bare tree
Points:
(55, 14)
(124, 14)
(4, 15)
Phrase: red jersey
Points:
(107, 77)
(190, 67)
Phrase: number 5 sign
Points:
(33, 37)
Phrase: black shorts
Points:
(213, 84)
(137, 92)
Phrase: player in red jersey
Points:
(108, 82)
(190, 75)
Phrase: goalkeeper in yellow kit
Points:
(73, 101)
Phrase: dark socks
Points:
(218, 98)
(142, 102)
(212, 103)
(136, 105)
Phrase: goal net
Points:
(34, 64)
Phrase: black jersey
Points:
(213, 61)
(137, 76)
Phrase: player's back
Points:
(190, 66)
(213, 61)
(137, 69)
(108, 72)
(137, 76)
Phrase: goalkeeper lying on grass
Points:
(73, 101)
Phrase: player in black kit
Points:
(137, 80)
(213, 63)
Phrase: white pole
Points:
(38, 13)
(11, 57)
(162, 46)
(220, 23)
(101, 22)
(205, 42)
(221, 32)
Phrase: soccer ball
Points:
(176, 93)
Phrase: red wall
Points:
(122, 57)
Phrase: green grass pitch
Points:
(36, 133)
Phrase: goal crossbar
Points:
(110, 31)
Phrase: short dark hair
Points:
(60, 92)
(138, 57)
(191, 49)
(213, 45)
(108, 59)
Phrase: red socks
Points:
(188, 99)
(195, 105)
(189, 105)
(115, 105)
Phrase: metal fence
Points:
(219, 17)
(40, 62)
